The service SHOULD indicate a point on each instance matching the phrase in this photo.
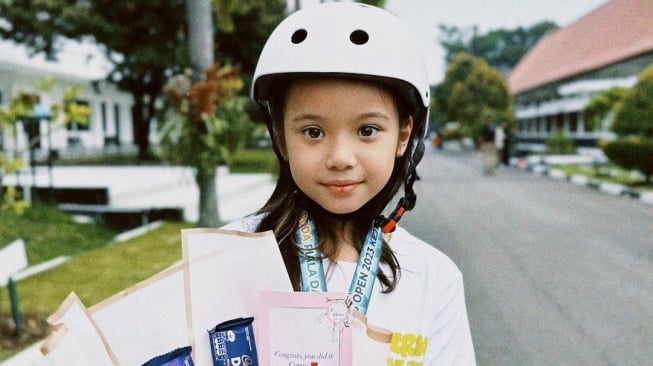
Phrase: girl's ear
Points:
(404, 137)
(279, 140)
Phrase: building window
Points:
(103, 111)
(540, 124)
(560, 122)
(573, 122)
(116, 116)
(589, 125)
(33, 130)
(549, 123)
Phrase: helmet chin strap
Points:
(390, 224)
(407, 202)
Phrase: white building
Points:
(78, 64)
(556, 80)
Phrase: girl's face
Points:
(341, 138)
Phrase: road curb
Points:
(613, 189)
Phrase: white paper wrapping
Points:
(146, 320)
(80, 332)
(220, 278)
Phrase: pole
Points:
(201, 49)
(15, 309)
(34, 194)
(51, 156)
(200, 36)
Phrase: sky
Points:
(425, 15)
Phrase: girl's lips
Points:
(341, 188)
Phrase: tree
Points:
(193, 133)
(633, 123)
(241, 29)
(502, 48)
(471, 92)
(603, 104)
(377, 3)
(634, 116)
(144, 39)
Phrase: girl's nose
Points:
(340, 155)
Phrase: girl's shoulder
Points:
(414, 254)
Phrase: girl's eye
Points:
(368, 131)
(313, 132)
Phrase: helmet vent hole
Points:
(299, 36)
(359, 37)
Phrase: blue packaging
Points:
(178, 357)
(232, 343)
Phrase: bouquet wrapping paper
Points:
(221, 276)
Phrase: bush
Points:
(255, 161)
(632, 153)
(633, 123)
(635, 115)
(559, 143)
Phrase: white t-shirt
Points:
(426, 309)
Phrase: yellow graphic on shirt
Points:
(407, 349)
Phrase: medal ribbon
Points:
(310, 258)
(312, 271)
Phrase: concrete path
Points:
(158, 186)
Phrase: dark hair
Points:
(282, 211)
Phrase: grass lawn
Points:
(49, 233)
(98, 269)
(608, 173)
(255, 161)
(102, 272)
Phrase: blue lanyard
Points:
(310, 258)
(312, 270)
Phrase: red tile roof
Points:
(615, 31)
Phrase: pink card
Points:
(304, 328)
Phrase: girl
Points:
(346, 91)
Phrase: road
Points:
(555, 274)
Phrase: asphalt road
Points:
(555, 274)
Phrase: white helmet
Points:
(349, 39)
(355, 41)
